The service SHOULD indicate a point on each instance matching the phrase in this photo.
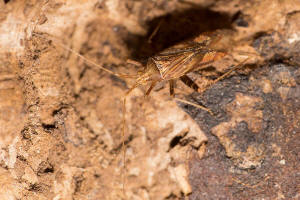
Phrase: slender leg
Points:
(195, 105)
(172, 94)
(189, 82)
(226, 74)
(150, 88)
(172, 85)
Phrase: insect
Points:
(168, 66)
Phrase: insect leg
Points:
(193, 104)
(189, 82)
(172, 94)
(172, 85)
(150, 88)
(226, 74)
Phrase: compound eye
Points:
(219, 55)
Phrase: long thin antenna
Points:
(88, 60)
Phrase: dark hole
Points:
(175, 141)
(49, 170)
(35, 187)
(174, 28)
(57, 111)
(48, 126)
(97, 175)
(78, 183)
(239, 20)
(35, 57)
(45, 168)
(21, 64)
(6, 1)
(119, 147)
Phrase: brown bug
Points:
(175, 62)
(169, 65)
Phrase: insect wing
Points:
(174, 63)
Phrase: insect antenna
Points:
(138, 82)
(89, 61)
